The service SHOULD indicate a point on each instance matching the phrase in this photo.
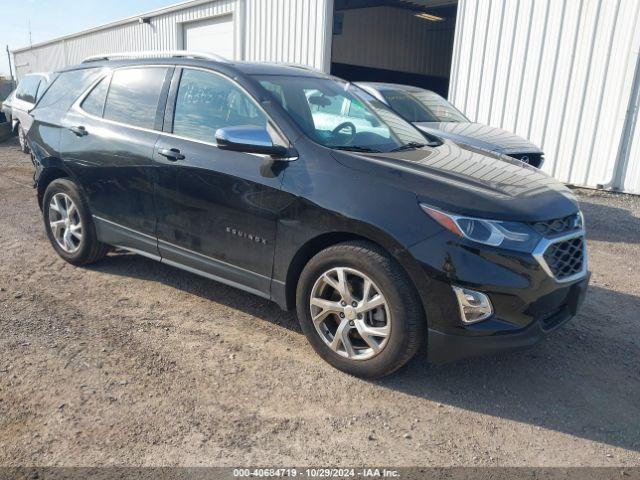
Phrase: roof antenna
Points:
(30, 43)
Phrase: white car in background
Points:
(17, 105)
(433, 115)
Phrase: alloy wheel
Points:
(65, 222)
(350, 313)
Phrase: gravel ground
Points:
(130, 362)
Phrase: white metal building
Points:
(563, 73)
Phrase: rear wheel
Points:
(359, 310)
(22, 138)
(69, 225)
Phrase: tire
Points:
(22, 138)
(400, 318)
(82, 247)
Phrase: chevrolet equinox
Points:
(294, 186)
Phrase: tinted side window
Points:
(28, 88)
(94, 102)
(439, 107)
(207, 102)
(408, 107)
(133, 96)
(67, 87)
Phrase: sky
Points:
(54, 18)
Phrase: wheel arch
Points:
(318, 243)
(52, 169)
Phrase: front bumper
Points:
(449, 347)
(528, 303)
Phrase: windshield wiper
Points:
(355, 148)
(409, 146)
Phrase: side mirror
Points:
(248, 139)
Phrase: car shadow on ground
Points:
(583, 380)
(602, 221)
(136, 266)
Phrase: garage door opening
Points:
(212, 35)
(397, 41)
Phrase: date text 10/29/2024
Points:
(315, 473)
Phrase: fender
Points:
(289, 261)
(46, 171)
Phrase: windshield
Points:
(330, 113)
(422, 106)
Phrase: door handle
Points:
(80, 131)
(172, 154)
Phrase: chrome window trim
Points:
(545, 243)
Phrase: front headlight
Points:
(495, 233)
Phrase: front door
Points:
(217, 209)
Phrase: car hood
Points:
(468, 182)
(479, 136)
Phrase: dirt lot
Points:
(130, 362)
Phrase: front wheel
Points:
(359, 310)
(69, 225)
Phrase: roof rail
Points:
(156, 53)
(302, 67)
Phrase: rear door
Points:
(217, 209)
(108, 143)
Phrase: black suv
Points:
(289, 184)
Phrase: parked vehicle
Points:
(433, 115)
(17, 105)
(380, 241)
(5, 108)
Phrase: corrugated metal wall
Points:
(42, 59)
(290, 31)
(274, 30)
(559, 72)
(394, 39)
(163, 33)
(630, 172)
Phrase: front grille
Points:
(558, 226)
(565, 258)
(533, 159)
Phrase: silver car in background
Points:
(17, 105)
(433, 115)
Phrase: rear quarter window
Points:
(94, 102)
(67, 87)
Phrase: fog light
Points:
(474, 306)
